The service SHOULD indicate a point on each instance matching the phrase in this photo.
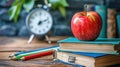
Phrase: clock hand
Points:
(40, 22)
(45, 20)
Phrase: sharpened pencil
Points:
(37, 50)
(32, 56)
(19, 55)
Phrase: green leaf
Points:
(17, 12)
(64, 3)
(28, 5)
(12, 12)
(62, 11)
(60, 4)
(15, 9)
(57, 3)
(15, 2)
(54, 1)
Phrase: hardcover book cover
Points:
(87, 59)
(100, 45)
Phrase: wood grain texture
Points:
(20, 44)
(11, 45)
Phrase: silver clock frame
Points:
(27, 21)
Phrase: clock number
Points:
(32, 17)
(31, 27)
(48, 22)
(46, 26)
(43, 29)
(39, 31)
(40, 14)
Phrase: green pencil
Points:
(18, 57)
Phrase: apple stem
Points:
(85, 9)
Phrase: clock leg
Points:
(31, 38)
(47, 38)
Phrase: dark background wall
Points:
(9, 28)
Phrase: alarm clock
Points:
(39, 22)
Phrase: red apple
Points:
(86, 25)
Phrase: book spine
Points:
(118, 25)
(102, 10)
(111, 23)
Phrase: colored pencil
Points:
(37, 50)
(22, 54)
(32, 56)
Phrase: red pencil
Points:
(32, 56)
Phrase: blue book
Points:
(102, 11)
(100, 45)
(81, 59)
(118, 24)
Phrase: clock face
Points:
(39, 22)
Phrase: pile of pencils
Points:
(27, 55)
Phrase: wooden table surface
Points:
(10, 45)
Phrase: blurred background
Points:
(61, 27)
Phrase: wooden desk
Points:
(9, 45)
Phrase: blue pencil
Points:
(36, 50)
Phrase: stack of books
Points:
(101, 52)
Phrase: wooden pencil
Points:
(37, 50)
(32, 56)
(19, 55)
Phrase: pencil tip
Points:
(12, 57)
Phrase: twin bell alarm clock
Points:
(39, 22)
